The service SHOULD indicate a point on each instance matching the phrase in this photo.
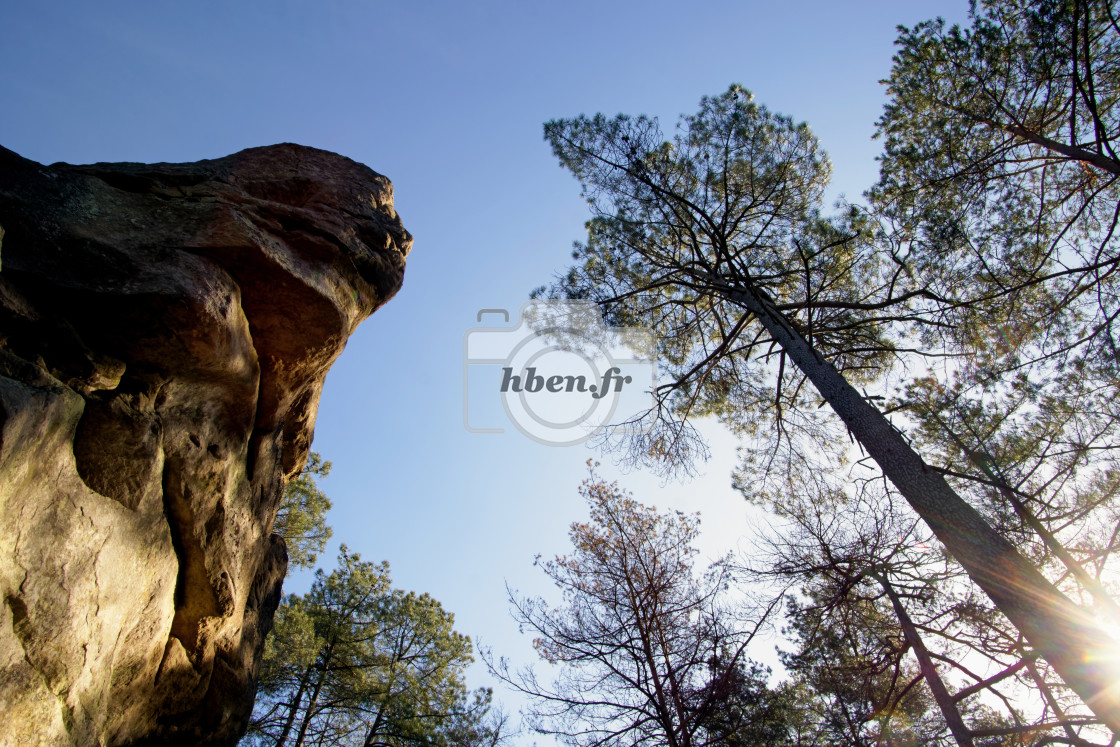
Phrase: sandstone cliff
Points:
(165, 330)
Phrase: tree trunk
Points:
(929, 671)
(374, 728)
(293, 708)
(306, 723)
(1057, 628)
(390, 682)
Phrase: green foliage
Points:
(745, 711)
(355, 662)
(991, 246)
(1000, 176)
(853, 681)
(682, 225)
(302, 518)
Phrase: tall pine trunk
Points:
(293, 707)
(311, 703)
(1057, 628)
(984, 461)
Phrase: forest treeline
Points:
(355, 662)
(926, 387)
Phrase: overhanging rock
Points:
(166, 330)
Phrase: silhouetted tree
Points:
(648, 653)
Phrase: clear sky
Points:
(447, 100)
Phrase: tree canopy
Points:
(355, 662)
(1000, 174)
(647, 652)
(302, 518)
(714, 240)
(999, 178)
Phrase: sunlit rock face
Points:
(165, 330)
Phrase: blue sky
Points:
(446, 99)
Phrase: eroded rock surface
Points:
(166, 330)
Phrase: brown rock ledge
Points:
(165, 330)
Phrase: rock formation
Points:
(165, 331)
